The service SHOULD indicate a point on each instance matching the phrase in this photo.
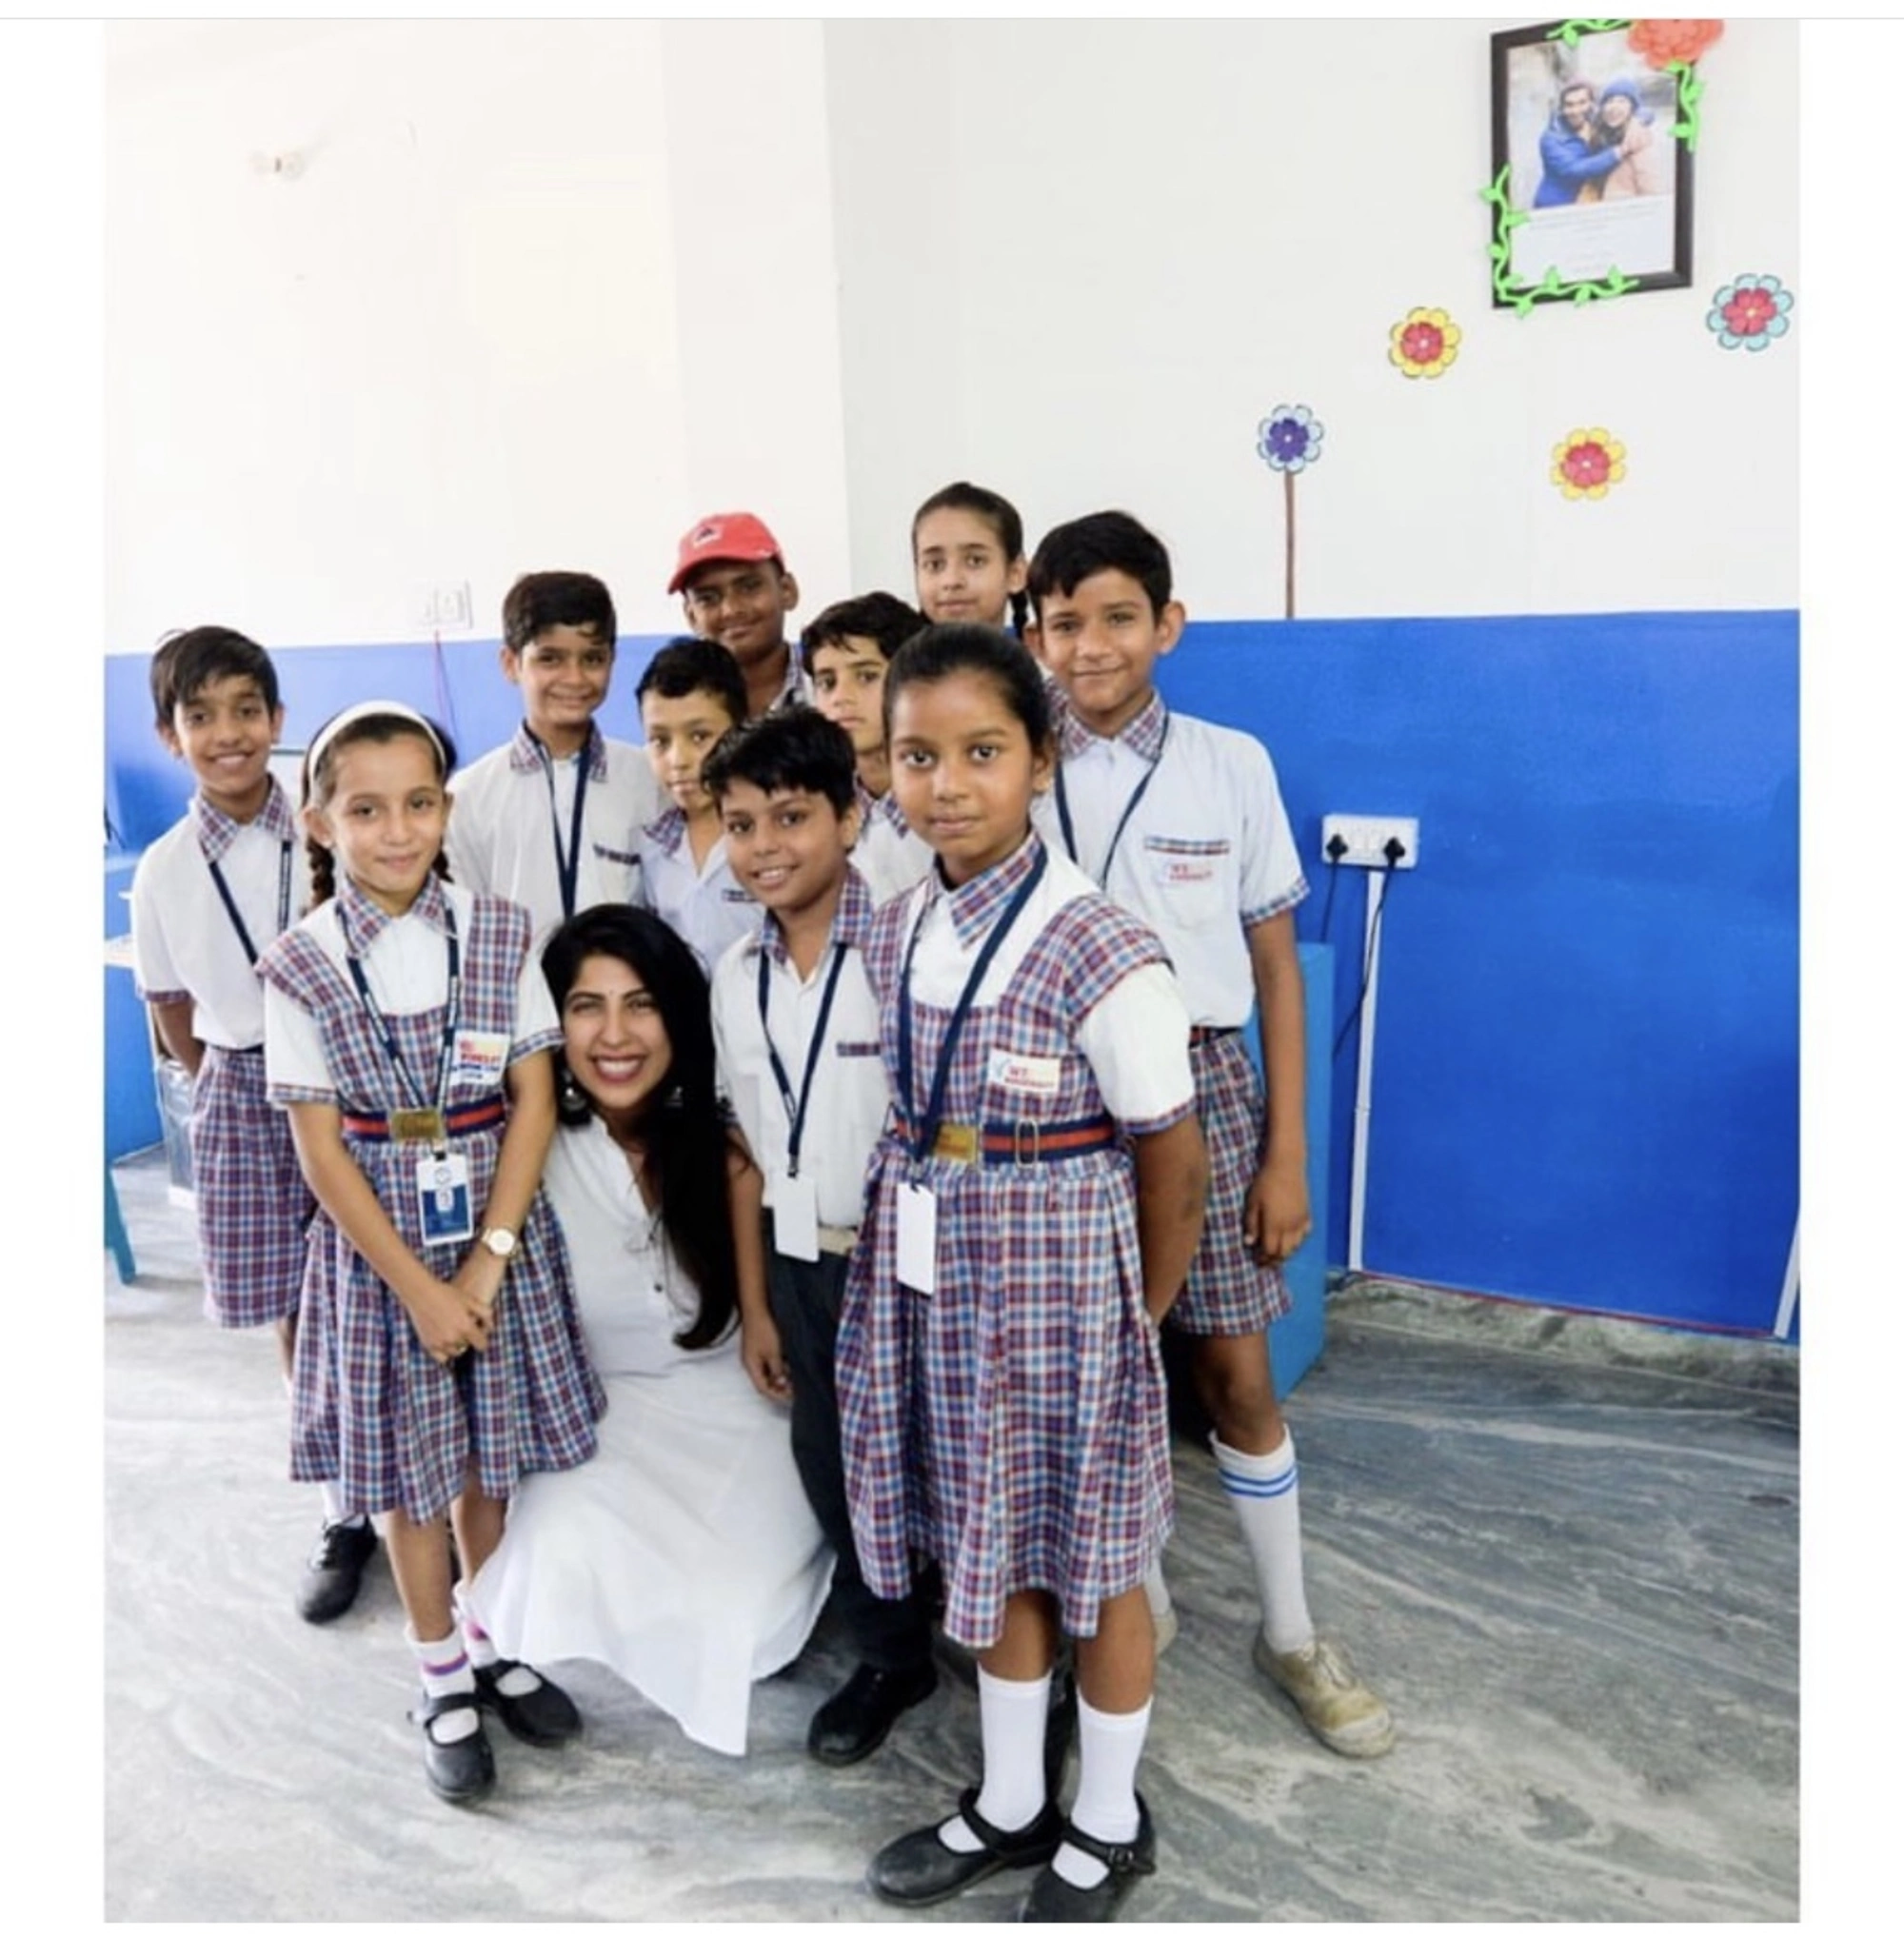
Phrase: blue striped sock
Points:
(1262, 1490)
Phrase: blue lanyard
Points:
(231, 903)
(452, 1006)
(1130, 809)
(567, 868)
(796, 1110)
(926, 1132)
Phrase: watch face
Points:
(502, 1241)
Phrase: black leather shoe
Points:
(854, 1721)
(458, 1769)
(332, 1577)
(545, 1717)
(919, 1868)
(1052, 1899)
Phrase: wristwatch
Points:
(500, 1243)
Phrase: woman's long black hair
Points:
(683, 1124)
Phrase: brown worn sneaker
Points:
(1336, 1705)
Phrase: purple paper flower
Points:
(1289, 440)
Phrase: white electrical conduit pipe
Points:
(1365, 1066)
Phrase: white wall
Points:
(521, 262)
(544, 292)
(1144, 237)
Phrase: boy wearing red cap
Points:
(735, 590)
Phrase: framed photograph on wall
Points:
(1592, 182)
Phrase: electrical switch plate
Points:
(1368, 839)
(452, 606)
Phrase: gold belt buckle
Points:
(417, 1124)
(957, 1141)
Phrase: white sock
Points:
(444, 1666)
(336, 1509)
(1011, 1730)
(518, 1681)
(1109, 1747)
(1262, 1490)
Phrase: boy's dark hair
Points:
(798, 748)
(1007, 525)
(188, 662)
(888, 621)
(556, 597)
(941, 650)
(681, 1121)
(1110, 540)
(695, 665)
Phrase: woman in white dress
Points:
(684, 1555)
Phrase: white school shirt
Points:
(1136, 1039)
(707, 906)
(846, 1106)
(510, 806)
(406, 964)
(183, 945)
(1207, 854)
(887, 855)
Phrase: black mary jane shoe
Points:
(919, 1868)
(457, 1769)
(545, 1717)
(855, 1721)
(1051, 1899)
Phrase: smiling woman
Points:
(685, 1555)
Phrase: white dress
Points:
(684, 1555)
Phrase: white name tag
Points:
(796, 1213)
(1023, 1073)
(917, 1257)
(479, 1060)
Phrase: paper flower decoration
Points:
(1425, 343)
(1750, 312)
(1666, 42)
(1588, 463)
(1289, 440)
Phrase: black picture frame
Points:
(1592, 192)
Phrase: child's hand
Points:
(1276, 1213)
(450, 1320)
(761, 1358)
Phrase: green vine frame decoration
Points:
(1523, 293)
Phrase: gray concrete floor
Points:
(1566, 1550)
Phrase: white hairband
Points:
(327, 733)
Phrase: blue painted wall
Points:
(1586, 1069)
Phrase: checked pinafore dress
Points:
(1011, 1426)
(370, 1408)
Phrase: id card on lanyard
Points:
(443, 1211)
(794, 1198)
(917, 1213)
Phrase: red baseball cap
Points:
(737, 536)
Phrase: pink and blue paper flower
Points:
(1289, 440)
(1750, 312)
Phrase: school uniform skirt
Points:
(1011, 1426)
(254, 1207)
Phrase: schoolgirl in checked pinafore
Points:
(371, 1408)
(1011, 1426)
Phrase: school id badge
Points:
(443, 1197)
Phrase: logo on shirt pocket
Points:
(857, 1049)
(1191, 876)
(1023, 1073)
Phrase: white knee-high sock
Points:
(1262, 1490)
(1011, 1728)
(1109, 1747)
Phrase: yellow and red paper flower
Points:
(1425, 343)
(1664, 42)
(1588, 463)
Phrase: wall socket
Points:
(1368, 839)
(436, 606)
